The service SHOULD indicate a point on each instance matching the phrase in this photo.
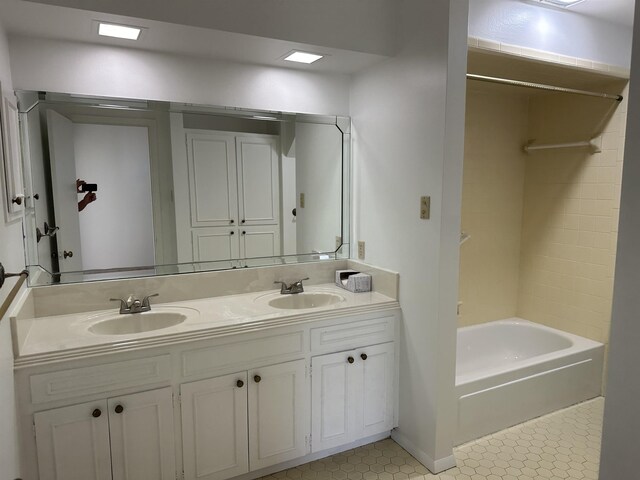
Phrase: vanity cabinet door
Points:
(73, 442)
(332, 398)
(214, 428)
(277, 414)
(142, 436)
(352, 395)
(377, 401)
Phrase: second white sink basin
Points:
(305, 300)
(123, 324)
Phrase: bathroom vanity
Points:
(239, 387)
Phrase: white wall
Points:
(551, 29)
(319, 177)
(58, 66)
(408, 119)
(117, 229)
(12, 257)
(360, 25)
(621, 431)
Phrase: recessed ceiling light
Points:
(303, 57)
(119, 31)
(561, 3)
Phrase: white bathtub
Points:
(510, 371)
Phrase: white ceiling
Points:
(615, 11)
(24, 18)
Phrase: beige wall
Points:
(492, 195)
(543, 226)
(571, 206)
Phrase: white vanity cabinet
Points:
(213, 406)
(123, 438)
(244, 421)
(352, 395)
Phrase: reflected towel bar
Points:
(541, 86)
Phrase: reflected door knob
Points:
(119, 409)
(96, 413)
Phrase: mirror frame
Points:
(39, 276)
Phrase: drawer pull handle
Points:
(96, 413)
(350, 360)
(363, 356)
(239, 384)
(119, 409)
(257, 378)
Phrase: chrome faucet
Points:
(295, 287)
(134, 305)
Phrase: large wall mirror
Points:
(119, 188)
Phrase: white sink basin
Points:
(300, 301)
(123, 324)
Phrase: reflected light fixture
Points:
(303, 57)
(119, 31)
(560, 3)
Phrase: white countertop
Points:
(61, 337)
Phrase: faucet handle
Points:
(302, 280)
(123, 303)
(145, 300)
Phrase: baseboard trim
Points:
(311, 457)
(434, 466)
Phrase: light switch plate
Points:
(360, 250)
(425, 208)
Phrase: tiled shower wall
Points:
(492, 196)
(543, 226)
(570, 216)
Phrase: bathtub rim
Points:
(578, 345)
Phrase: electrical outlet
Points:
(360, 250)
(425, 207)
(338, 242)
(302, 200)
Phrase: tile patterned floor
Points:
(564, 445)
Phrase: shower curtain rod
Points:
(541, 86)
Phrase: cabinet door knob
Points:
(244, 232)
(243, 220)
(232, 232)
(350, 360)
(66, 254)
(257, 378)
(231, 221)
(96, 413)
(17, 199)
(363, 356)
(119, 409)
(239, 384)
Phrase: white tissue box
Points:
(353, 281)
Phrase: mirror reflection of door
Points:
(63, 185)
(117, 228)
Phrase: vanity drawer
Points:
(343, 336)
(109, 377)
(245, 352)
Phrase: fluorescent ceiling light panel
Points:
(303, 57)
(118, 31)
(561, 3)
